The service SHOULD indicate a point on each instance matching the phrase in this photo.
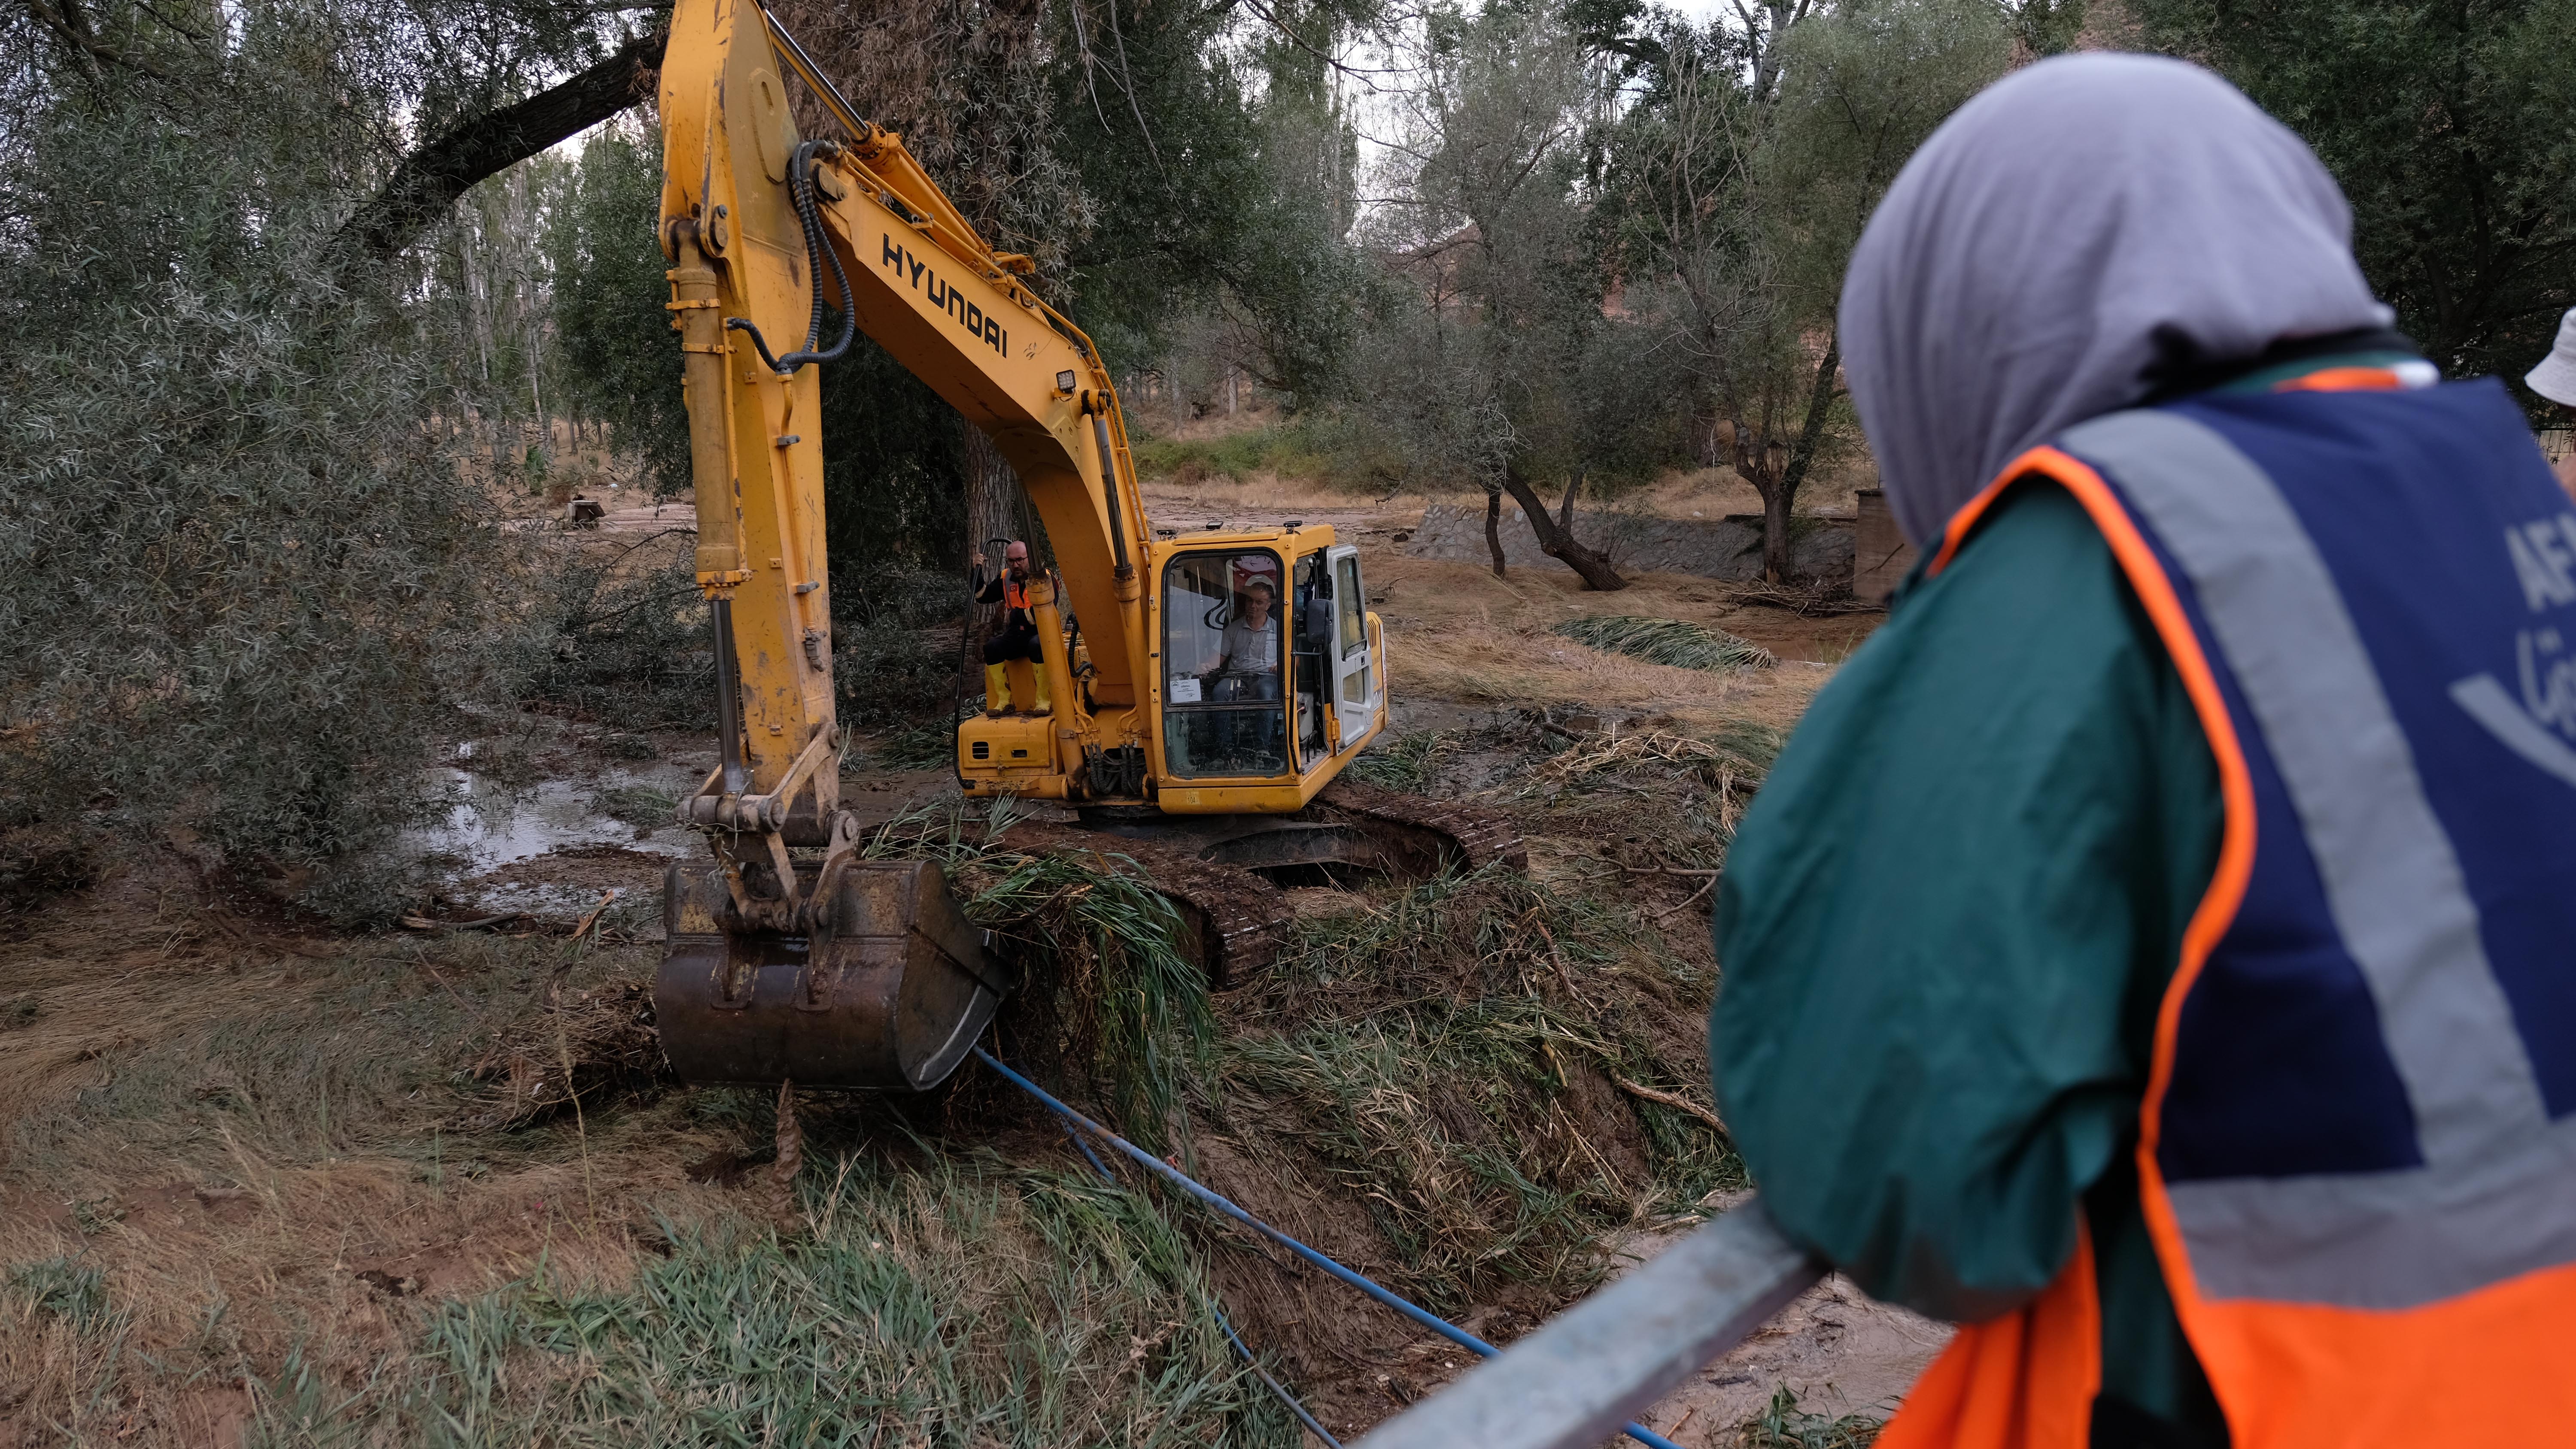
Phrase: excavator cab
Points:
(1264, 685)
(1201, 719)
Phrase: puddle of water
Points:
(489, 826)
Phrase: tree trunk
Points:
(1559, 543)
(1782, 499)
(1494, 527)
(992, 511)
(1776, 555)
(992, 492)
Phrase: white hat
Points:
(2555, 377)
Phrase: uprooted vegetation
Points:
(439, 1189)
(1677, 642)
(1641, 797)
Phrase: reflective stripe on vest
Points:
(2358, 1144)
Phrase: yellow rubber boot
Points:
(1037, 672)
(997, 689)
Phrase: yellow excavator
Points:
(1186, 737)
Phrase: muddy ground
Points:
(260, 1184)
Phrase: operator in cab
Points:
(1249, 649)
(2152, 950)
(1247, 672)
(1014, 633)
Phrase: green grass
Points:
(922, 745)
(962, 1303)
(1783, 1425)
(1288, 449)
(1676, 642)
(955, 1302)
(64, 1290)
(1404, 762)
(1127, 1000)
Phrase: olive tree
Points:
(1736, 193)
(1481, 343)
(243, 580)
(2447, 127)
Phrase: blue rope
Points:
(1181, 1180)
(1276, 1387)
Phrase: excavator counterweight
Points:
(1227, 677)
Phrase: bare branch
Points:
(63, 25)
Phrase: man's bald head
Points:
(1016, 556)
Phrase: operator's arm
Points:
(990, 593)
(1224, 653)
(1944, 931)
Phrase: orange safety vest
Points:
(2357, 1145)
(1015, 596)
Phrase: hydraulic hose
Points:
(818, 255)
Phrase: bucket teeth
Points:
(890, 996)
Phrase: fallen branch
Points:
(1673, 1100)
(479, 923)
(1692, 899)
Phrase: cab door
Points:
(1359, 675)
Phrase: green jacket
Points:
(1944, 930)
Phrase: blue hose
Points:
(1276, 1387)
(1181, 1180)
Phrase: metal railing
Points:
(1570, 1384)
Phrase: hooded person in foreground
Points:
(2156, 949)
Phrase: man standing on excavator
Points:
(1014, 634)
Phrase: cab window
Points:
(1356, 683)
(1224, 647)
(1310, 655)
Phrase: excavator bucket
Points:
(889, 992)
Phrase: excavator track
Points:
(1209, 866)
(1464, 837)
(1235, 918)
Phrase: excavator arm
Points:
(746, 236)
(837, 970)
(828, 969)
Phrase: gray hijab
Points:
(2076, 226)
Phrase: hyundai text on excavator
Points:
(790, 957)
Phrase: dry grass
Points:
(232, 1135)
(1728, 775)
(1457, 632)
(248, 1184)
(252, 1187)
